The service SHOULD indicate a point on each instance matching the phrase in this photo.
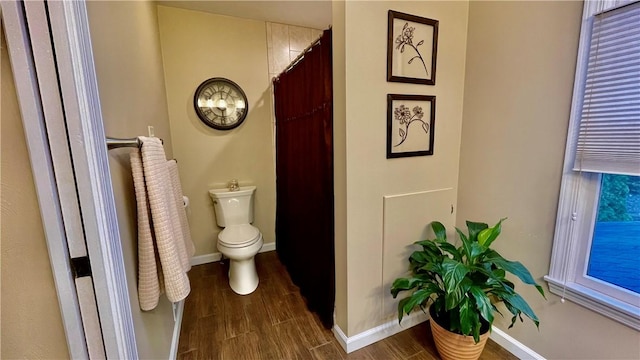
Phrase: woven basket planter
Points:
(452, 346)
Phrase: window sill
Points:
(617, 310)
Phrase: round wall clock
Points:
(221, 104)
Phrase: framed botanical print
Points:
(412, 46)
(410, 125)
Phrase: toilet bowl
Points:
(239, 241)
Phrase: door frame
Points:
(69, 33)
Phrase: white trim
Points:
(343, 340)
(577, 206)
(512, 345)
(21, 57)
(368, 337)
(175, 340)
(268, 247)
(79, 87)
(205, 259)
(45, 68)
(415, 193)
(597, 301)
(90, 317)
(216, 256)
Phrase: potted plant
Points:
(461, 286)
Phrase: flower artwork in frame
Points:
(411, 49)
(410, 125)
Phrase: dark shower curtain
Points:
(304, 176)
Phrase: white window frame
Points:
(581, 190)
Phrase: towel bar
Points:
(113, 143)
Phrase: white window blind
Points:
(609, 136)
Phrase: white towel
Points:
(161, 234)
(148, 282)
(190, 248)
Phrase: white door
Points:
(57, 92)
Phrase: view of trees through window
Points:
(615, 249)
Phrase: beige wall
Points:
(30, 316)
(197, 46)
(128, 63)
(339, 161)
(517, 90)
(369, 175)
(521, 59)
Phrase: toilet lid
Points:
(239, 235)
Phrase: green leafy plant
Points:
(463, 284)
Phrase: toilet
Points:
(239, 241)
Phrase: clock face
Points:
(221, 104)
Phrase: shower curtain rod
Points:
(301, 55)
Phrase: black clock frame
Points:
(205, 119)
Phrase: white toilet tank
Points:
(233, 207)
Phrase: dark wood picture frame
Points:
(412, 47)
(408, 114)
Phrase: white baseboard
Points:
(213, 257)
(268, 247)
(513, 346)
(365, 338)
(205, 259)
(368, 337)
(178, 312)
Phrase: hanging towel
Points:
(163, 253)
(148, 282)
(190, 248)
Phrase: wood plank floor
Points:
(273, 323)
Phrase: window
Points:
(614, 254)
(596, 251)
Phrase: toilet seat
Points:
(237, 236)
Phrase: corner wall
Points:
(521, 59)
(380, 192)
(197, 46)
(31, 321)
(126, 49)
(339, 162)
